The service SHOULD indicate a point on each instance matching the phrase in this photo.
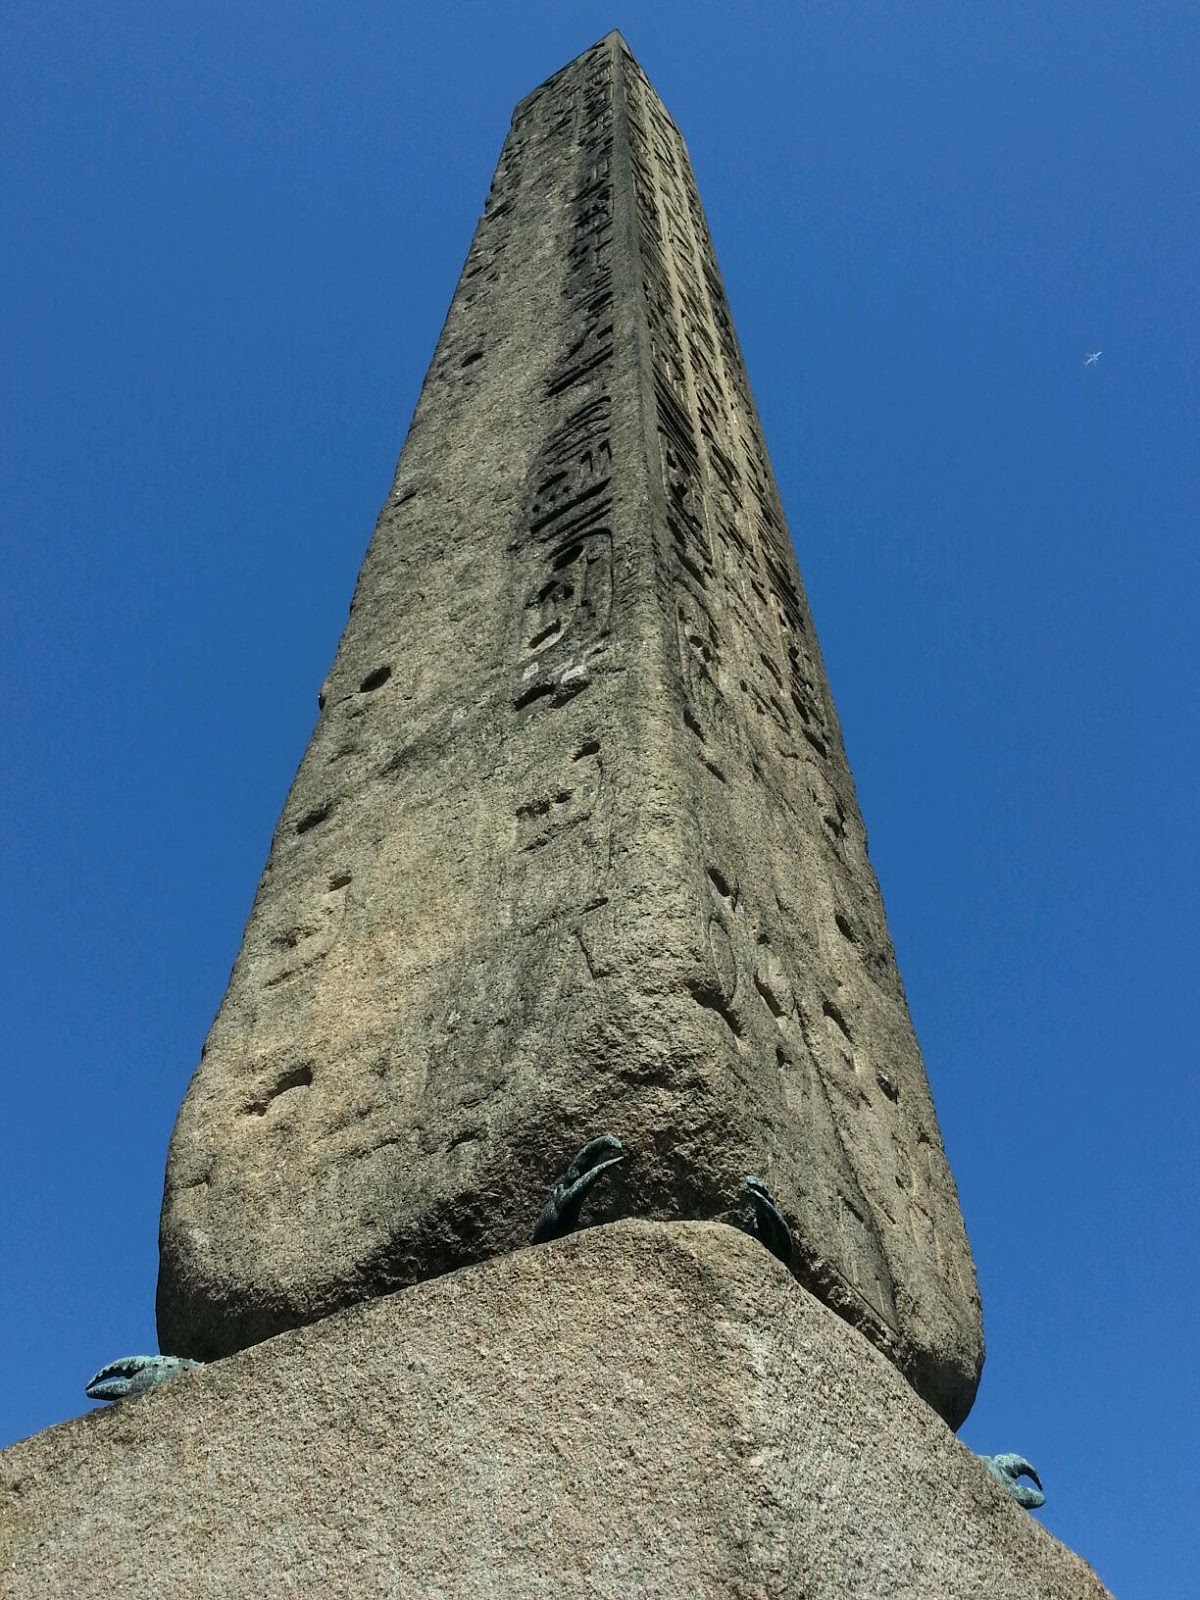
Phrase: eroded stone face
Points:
(575, 845)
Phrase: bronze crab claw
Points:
(1008, 1470)
(135, 1374)
(560, 1215)
(769, 1227)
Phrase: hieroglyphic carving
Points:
(751, 681)
(565, 542)
(699, 364)
(840, 1238)
(563, 549)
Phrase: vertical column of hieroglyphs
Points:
(568, 653)
(562, 549)
(813, 980)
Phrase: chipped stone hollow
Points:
(575, 844)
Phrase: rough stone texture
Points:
(644, 1409)
(575, 845)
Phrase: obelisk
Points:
(574, 847)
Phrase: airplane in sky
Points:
(1090, 361)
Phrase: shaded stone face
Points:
(575, 845)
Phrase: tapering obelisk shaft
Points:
(575, 845)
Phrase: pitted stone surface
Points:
(644, 1409)
(575, 844)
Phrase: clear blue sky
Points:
(232, 234)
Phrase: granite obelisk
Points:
(575, 845)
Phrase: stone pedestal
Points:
(642, 1409)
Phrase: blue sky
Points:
(232, 234)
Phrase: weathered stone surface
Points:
(645, 1409)
(575, 845)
